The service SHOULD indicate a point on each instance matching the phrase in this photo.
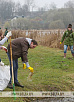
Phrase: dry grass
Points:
(50, 38)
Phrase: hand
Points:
(9, 34)
(31, 69)
(60, 42)
(4, 48)
(24, 66)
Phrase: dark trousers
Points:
(15, 69)
(0, 59)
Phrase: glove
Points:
(4, 48)
(60, 42)
(9, 34)
(24, 66)
(31, 69)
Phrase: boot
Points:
(64, 55)
(9, 86)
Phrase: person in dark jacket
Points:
(68, 38)
(20, 48)
(6, 31)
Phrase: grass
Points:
(51, 71)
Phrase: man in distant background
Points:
(6, 31)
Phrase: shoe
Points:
(1, 63)
(18, 84)
(9, 86)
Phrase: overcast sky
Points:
(41, 3)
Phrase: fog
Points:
(41, 3)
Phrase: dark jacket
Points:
(6, 32)
(20, 48)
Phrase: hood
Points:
(29, 40)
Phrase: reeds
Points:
(50, 38)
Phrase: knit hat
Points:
(70, 26)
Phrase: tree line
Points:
(17, 16)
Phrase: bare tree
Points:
(30, 4)
(69, 4)
(52, 5)
(6, 9)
